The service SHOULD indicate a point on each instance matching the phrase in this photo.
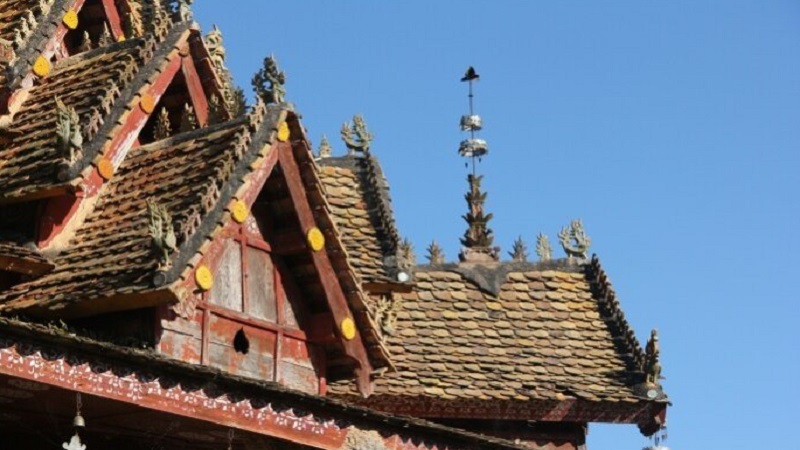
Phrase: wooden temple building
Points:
(179, 270)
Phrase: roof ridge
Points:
(28, 48)
(378, 192)
(607, 298)
(104, 119)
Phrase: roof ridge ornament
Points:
(324, 150)
(272, 74)
(543, 248)
(162, 234)
(356, 136)
(519, 252)
(574, 240)
(435, 254)
(69, 140)
(478, 239)
(652, 364)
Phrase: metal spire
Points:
(477, 240)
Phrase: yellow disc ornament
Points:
(203, 277)
(316, 240)
(105, 169)
(71, 19)
(283, 132)
(348, 328)
(41, 67)
(147, 103)
(239, 211)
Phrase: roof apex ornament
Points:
(162, 233)
(574, 240)
(652, 365)
(272, 74)
(69, 139)
(435, 254)
(216, 47)
(356, 136)
(406, 253)
(519, 252)
(543, 248)
(325, 149)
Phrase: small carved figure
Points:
(162, 129)
(270, 73)
(652, 365)
(216, 111)
(188, 119)
(162, 233)
(216, 48)
(44, 7)
(325, 150)
(543, 248)
(69, 140)
(86, 43)
(356, 136)
(519, 253)
(386, 308)
(185, 10)
(574, 240)
(105, 37)
(435, 254)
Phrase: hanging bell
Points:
(78, 421)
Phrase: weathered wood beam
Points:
(195, 86)
(112, 15)
(355, 347)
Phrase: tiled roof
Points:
(515, 332)
(11, 14)
(358, 197)
(111, 251)
(28, 259)
(90, 82)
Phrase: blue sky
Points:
(670, 128)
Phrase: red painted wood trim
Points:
(195, 87)
(354, 348)
(125, 136)
(204, 356)
(245, 319)
(112, 15)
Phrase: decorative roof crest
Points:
(543, 248)
(325, 149)
(406, 253)
(270, 74)
(574, 240)
(162, 234)
(356, 137)
(69, 140)
(652, 365)
(519, 253)
(188, 119)
(216, 47)
(435, 254)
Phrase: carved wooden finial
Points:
(216, 110)
(268, 82)
(519, 253)
(543, 248)
(435, 254)
(652, 365)
(162, 233)
(356, 137)
(215, 44)
(406, 253)
(69, 140)
(163, 128)
(574, 240)
(86, 43)
(188, 119)
(325, 149)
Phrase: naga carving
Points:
(268, 82)
(574, 240)
(69, 140)
(356, 136)
(386, 309)
(162, 234)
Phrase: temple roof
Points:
(358, 195)
(111, 252)
(90, 82)
(510, 333)
(23, 258)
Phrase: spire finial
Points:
(519, 253)
(356, 136)
(325, 149)
(435, 254)
(477, 240)
(270, 74)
